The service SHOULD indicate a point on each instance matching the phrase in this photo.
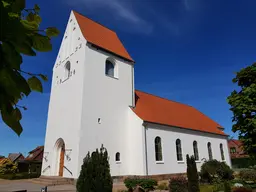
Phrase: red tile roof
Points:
(158, 110)
(36, 154)
(101, 36)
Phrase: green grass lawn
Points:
(206, 188)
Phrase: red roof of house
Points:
(154, 109)
(237, 142)
(101, 36)
(36, 154)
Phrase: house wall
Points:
(168, 137)
(106, 99)
(64, 114)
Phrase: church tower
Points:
(91, 95)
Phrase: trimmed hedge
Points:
(145, 183)
(17, 176)
(243, 162)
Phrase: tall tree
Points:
(19, 35)
(192, 174)
(243, 106)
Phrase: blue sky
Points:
(185, 50)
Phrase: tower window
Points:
(110, 69)
(67, 70)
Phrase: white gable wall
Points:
(168, 137)
(64, 114)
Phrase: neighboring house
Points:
(36, 154)
(2, 157)
(93, 102)
(33, 162)
(15, 157)
(236, 149)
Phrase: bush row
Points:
(145, 183)
(15, 176)
(248, 175)
(243, 162)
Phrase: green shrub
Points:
(8, 167)
(243, 162)
(145, 183)
(95, 173)
(215, 170)
(248, 175)
(178, 184)
(193, 180)
(16, 176)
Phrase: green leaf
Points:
(11, 55)
(9, 120)
(17, 114)
(35, 84)
(5, 4)
(9, 82)
(41, 43)
(33, 17)
(25, 49)
(43, 77)
(30, 25)
(18, 5)
(38, 19)
(52, 32)
(36, 8)
(30, 17)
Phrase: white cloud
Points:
(122, 11)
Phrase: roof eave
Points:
(144, 122)
(119, 56)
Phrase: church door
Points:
(61, 160)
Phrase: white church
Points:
(93, 102)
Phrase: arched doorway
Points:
(60, 156)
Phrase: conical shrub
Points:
(95, 173)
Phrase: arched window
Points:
(222, 152)
(110, 68)
(179, 150)
(117, 156)
(209, 146)
(196, 155)
(67, 70)
(158, 149)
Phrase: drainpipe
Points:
(145, 144)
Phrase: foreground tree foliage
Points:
(95, 173)
(19, 35)
(243, 106)
(192, 174)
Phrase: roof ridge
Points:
(164, 98)
(94, 21)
